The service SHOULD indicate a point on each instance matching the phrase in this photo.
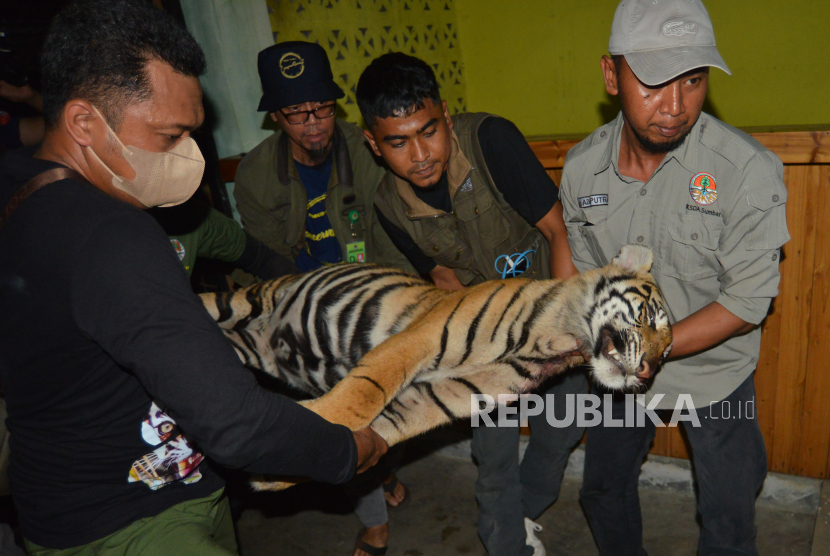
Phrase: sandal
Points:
(368, 548)
(389, 488)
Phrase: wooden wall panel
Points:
(556, 176)
(677, 448)
(813, 457)
(662, 441)
(766, 374)
(795, 293)
(798, 148)
(792, 380)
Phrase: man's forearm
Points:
(704, 329)
(262, 261)
(445, 278)
(552, 226)
(561, 262)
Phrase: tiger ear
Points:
(635, 258)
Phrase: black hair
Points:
(98, 50)
(393, 85)
(618, 60)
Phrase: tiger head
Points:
(629, 331)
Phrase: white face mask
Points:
(161, 179)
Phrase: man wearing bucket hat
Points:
(709, 201)
(307, 192)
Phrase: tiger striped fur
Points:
(385, 348)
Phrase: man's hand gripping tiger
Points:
(385, 348)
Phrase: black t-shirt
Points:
(107, 357)
(516, 172)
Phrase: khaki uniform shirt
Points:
(714, 215)
(273, 206)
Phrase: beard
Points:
(319, 152)
(647, 144)
(661, 147)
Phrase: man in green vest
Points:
(467, 201)
(307, 192)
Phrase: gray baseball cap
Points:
(662, 39)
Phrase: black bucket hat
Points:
(295, 72)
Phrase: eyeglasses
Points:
(302, 116)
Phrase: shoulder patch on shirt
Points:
(177, 245)
(703, 189)
(593, 200)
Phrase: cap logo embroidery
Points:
(703, 189)
(291, 65)
(679, 28)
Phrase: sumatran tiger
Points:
(382, 347)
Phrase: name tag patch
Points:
(694, 208)
(593, 200)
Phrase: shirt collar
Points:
(612, 147)
(685, 154)
(458, 168)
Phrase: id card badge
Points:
(356, 252)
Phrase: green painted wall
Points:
(536, 62)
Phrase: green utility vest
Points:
(272, 200)
(482, 225)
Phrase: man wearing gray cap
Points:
(709, 201)
(307, 192)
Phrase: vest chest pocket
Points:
(689, 248)
(280, 210)
(283, 225)
(443, 246)
(477, 212)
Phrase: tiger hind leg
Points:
(356, 400)
(426, 404)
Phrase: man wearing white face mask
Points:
(162, 179)
(117, 381)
